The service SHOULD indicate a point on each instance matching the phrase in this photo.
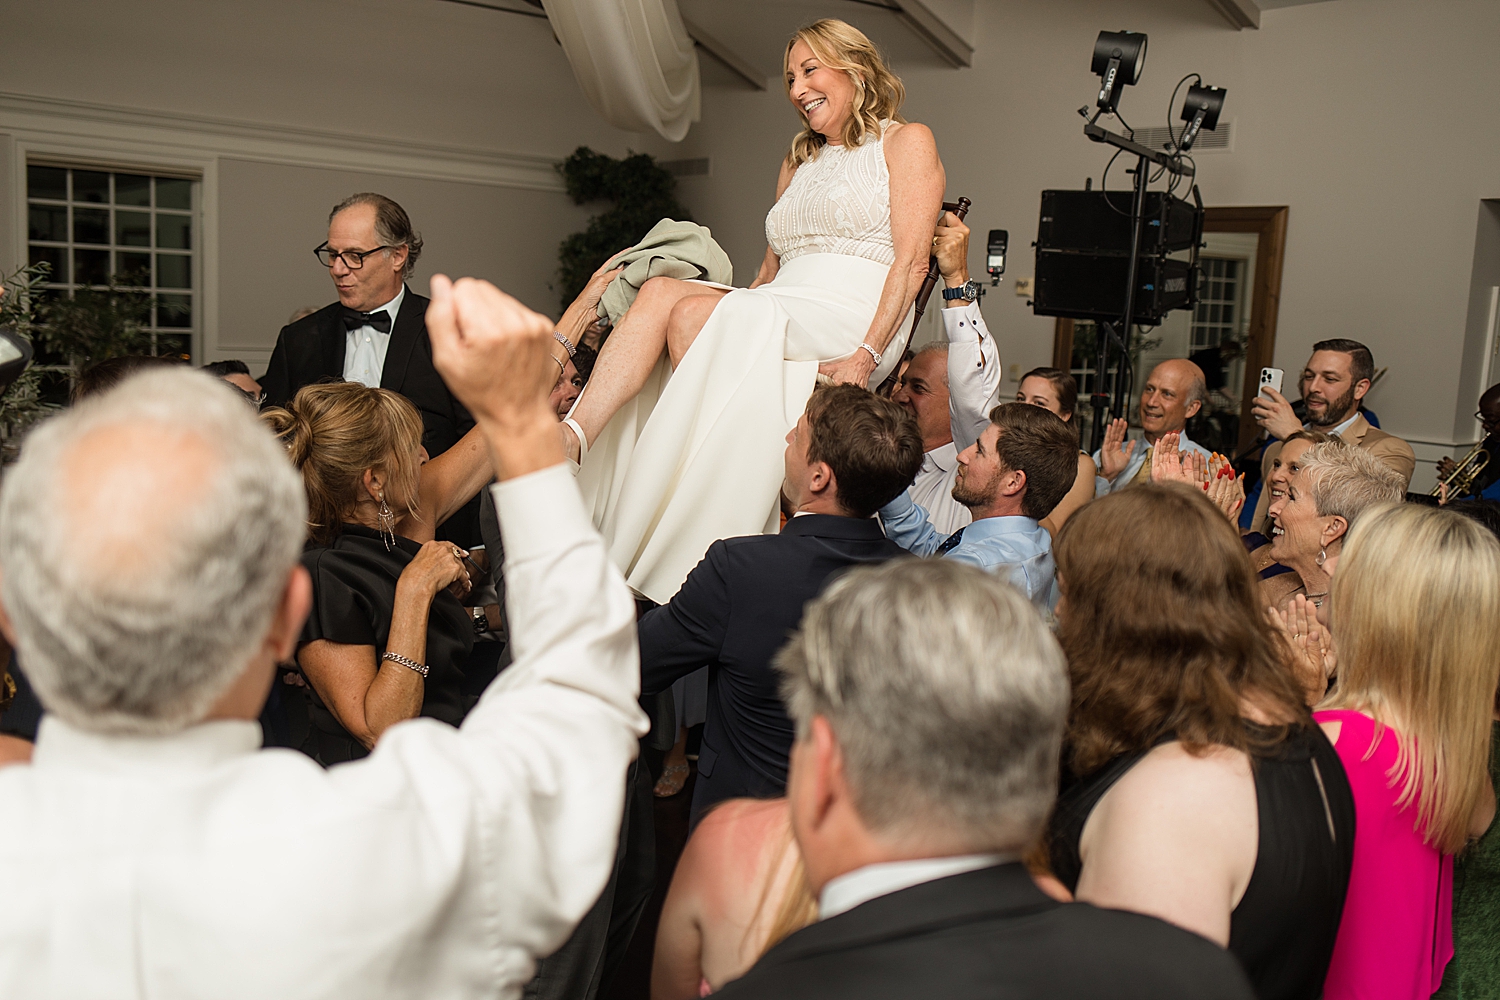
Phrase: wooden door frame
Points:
(1269, 223)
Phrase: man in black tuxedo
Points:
(376, 333)
(930, 700)
(850, 453)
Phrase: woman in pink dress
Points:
(1416, 622)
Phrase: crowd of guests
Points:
(989, 714)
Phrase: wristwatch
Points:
(481, 621)
(968, 290)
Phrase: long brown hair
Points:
(1164, 628)
(878, 93)
(1416, 618)
(1066, 387)
(333, 432)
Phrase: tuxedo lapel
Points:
(406, 332)
(331, 344)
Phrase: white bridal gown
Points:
(697, 456)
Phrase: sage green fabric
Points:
(671, 249)
(1475, 969)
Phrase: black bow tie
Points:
(380, 319)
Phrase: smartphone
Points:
(1270, 378)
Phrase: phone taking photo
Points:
(1270, 378)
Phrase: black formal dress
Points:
(312, 350)
(1285, 925)
(733, 613)
(354, 597)
(987, 934)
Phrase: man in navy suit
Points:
(850, 454)
(376, 333)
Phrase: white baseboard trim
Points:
(137, 131)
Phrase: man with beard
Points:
(1009, 479)
(1486, 485)
(1336, 378)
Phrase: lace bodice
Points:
(838, 203)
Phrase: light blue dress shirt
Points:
(1104, 486)
(1016, 548)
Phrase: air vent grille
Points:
(1157, 137)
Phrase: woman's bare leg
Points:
(686, 321)
(629, 354)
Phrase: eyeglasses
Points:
(353, 259)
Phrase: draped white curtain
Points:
(634, 61)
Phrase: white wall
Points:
(1364, 116)
(286, 106)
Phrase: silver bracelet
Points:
(572, 351)
(420, 668)
(873, 353)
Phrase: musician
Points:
(1486, 482)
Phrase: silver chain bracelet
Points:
(420, 668)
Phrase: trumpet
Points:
(1465, 472)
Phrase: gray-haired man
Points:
(930, 700)
(150, 542)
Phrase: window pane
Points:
(173, 271)
(90, 225)
(173, 231)
(171, 193)
(132, 189)
(91, 267)
(57, 257)
(47, 182)
(48, 222)
(175, 345)
(90, 185)
(174, 310)
(134, 268)
(133, 229)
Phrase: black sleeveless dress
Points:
(1284, 927)
(354, 597)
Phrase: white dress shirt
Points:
(872, 881)
(973, 391)
(365, 347)
(443, 865)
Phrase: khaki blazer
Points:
(1362, 434)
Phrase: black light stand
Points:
(1100, 398)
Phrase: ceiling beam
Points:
(732, 60)
(933, 30)
(1240, 14)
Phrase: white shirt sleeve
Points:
(973, 373)
(532, 788)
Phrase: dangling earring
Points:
(387, 521)
(1322, 556)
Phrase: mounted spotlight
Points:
(1119, 57)
(1200, 111)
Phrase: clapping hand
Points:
(1112, 457)
(1170, 465)
(1224, 488)
(1313, 656)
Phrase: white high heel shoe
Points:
(583, 443)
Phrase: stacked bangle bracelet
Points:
(572, 351)
(420, 668)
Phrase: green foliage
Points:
(97, 323)
(643, 194)
(22, 405)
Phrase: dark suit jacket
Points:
(733, 613)
(312, 350)
(990, 933)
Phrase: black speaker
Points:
(1099, 222)
(1092, 286)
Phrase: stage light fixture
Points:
(1119, 57)
(1200, 111)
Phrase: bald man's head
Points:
(146, 540)
(1174, 391)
